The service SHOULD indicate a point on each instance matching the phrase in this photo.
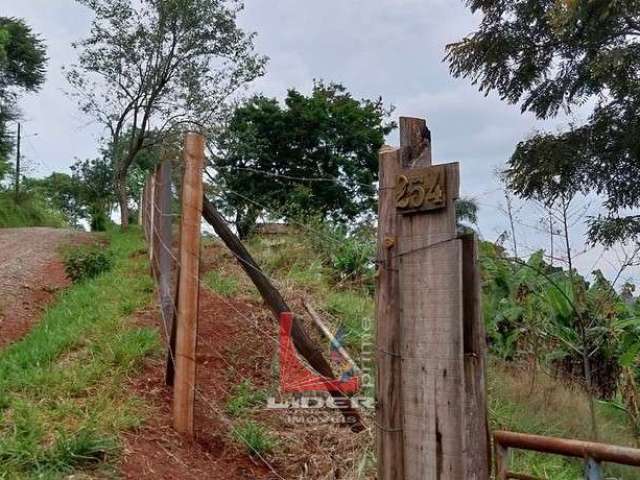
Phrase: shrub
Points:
(83, 263)
(28, 211)
(221, 284)
(353, 258)
(244, 397)
(255, 438)
(354, 310)
(351, 255)
(99, 221)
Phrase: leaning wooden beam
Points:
(305, 346)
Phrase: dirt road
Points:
(31, 272)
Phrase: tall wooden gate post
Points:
(389, 379)
(430, 263)
(430, 269)
(187, 320)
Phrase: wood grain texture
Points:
(477, 446)
(430, 268)
(415, 139)
(389, 443)
(186, 334)
(502, 462)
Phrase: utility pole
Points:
(17, 184)
(513, 228)
(551, 234)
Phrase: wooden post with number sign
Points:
(431, 315)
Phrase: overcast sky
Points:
(388, 48)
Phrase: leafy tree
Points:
(6, 116)
(22, 68)
(550, 55)
(466, 214)
(94, 180)
(61, 191)
(315, 154)
(86, 194)
(152, 65)
(144, 162)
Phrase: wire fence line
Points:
(158, 218)
(278, 213)
(151, 207)
(212, 404)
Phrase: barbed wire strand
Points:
(195, 388)
(226, 301)
(178, 263)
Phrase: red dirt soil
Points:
(155, 451)
(237, 341)
(31, 272)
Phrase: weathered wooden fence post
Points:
(157, 218)
(165, 259)
(502, 462)
(389, 378)
(144, 206)
(431, 309)
(151, 220)
(187, 320)
(140, 207)
(477, 443)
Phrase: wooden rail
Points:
(593, 453)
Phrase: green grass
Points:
(354, 311)
(553, 408)
(244, 397)
(64, 396)
(556, 409)
(254, 437)
(222, 284)
(27, 212)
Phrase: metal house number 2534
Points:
(423, 189)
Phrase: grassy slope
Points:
(63, 395)
(545, 406)
(549, 408)
(27, 213)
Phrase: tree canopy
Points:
(23, 62)
(553, 55)
(152, 65)
(315, 154)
